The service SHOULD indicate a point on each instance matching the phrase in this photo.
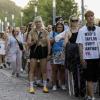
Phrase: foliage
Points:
(7, 8)
(64, 8)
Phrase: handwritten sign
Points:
(90, 46)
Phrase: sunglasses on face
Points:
(74, 20)
(38, 22)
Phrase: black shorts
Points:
(38, 52)
(92, 72)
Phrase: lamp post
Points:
(8, 24)
(82, 11)
(54, 10)
(21, 18)
(0, 26)
(5, 23)
(35, 7)
(35, 4)
(13, 19)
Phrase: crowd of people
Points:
(65, 56)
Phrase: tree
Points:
(64, 8)
(7, 8)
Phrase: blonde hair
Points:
(73, 17)
(39, 18)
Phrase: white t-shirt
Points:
(90, 41)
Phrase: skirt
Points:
(72, 58)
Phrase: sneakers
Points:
(6, 65)
(89, 98)
(1, 67)
(21, 70)
(45, 90)
(39, 83)
(31, 90)
(13, 73)
(63, 87)
(17, 75)
(54, 88)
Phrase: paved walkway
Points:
(16, 89)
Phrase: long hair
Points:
(39, 18)
(57, 25)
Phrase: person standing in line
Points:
(72, 59)
(50, 30)
(99, 79)
(61, 20)
(8, 33)
(57, 60)
(22, 31)
(2, 50)
(14, 53)
(89, 46)
(27, 47)
(39, 50)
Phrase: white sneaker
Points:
(93, 98)
(21, 70)
(54, 88)
(89, 98)
(63, 87)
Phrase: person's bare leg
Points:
(90, 89)
(62, 75)
(43, 65)
(31, 75)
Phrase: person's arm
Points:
(49, 46)
(29, 42)
(31, 39)
(48, 41)
(80, 46)
(82, 61)
(79, 41)
(51, 37)
(67, 37)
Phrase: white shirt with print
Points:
(90, 41)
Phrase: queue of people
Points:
(71, 51)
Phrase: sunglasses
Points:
(74, 20)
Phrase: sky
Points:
(89, 5)
(93, 5)
(21, 3)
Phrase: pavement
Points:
(12, 88)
